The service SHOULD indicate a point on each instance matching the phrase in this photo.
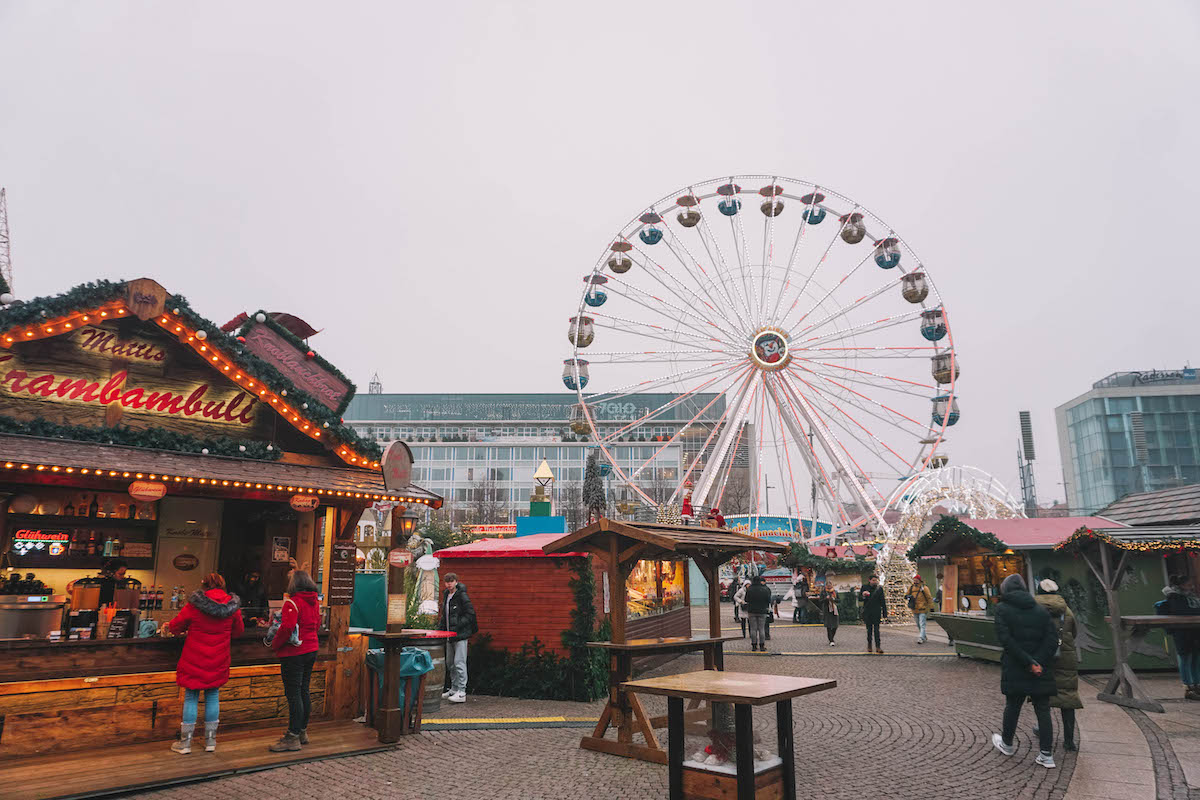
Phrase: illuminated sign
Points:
(497, 530)
(303, 502)
(297, 366)
(38, 540)
(147, 491)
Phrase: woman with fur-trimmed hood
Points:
(210, 619)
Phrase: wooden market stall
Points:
(624, 548)
(967, 559)
(132, 428)
(1112, 554)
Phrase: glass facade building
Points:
(479, 451)
(1133, 432)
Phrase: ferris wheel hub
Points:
(770, 351)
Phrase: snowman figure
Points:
(770, 349)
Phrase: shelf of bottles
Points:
(69, 529)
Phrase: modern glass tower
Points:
(1133, 432)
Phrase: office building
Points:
(1132, 432)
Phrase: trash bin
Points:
(414, 664)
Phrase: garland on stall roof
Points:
(151, 438)
(303, 347)
(1085, 536)
(952, 525)
(98, 293)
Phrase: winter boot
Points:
(288, 742)
(304, 736)
(210, 736)
(870, 649)
(184, 745)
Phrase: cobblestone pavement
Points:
(896, 727)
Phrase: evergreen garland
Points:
(798, 555)
(151, 438)
(97, 293)
(952, 525)
(303, 347)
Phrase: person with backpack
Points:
(921, 602)
(1066, 663)
(1178, 600)
(301, 612)
(739, 605)
(210, 619)
(457, 615)
(1028, 638)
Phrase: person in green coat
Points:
(1066, 666)
(1028, 638)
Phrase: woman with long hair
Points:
(210, 619)
(301, 612)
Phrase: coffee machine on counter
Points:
(92, 614)
(28, 608)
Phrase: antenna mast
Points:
(6, 276)
(1025, 455)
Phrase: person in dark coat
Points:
(758, 606)
(874, 609)
(1029, 638)
(210, 619)
(1066, 665)
(301, 612)
(800, 600)
(1178, 600)
(827, 601)
(457, 615)
(256, 608)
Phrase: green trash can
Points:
(414, 662)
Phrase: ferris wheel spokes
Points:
(652, 268)
(740, 406)
(728, 304)
(723, 368)
(613, 283)
(795, 426)
(847, 309)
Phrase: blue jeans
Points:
(921, 626)
(1189, 667)
(191, 703)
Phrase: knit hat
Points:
(1013, 583)
(1048, 586)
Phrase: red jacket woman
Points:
(210, 619)
(302, 611)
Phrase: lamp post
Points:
(404, 522)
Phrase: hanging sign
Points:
(147, 491)
(295, 364)
(185, 562)
(397, 467)
(400, 557)
(304, 502)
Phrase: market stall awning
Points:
(48, 457)
(518, 547)
(1184, 538)
(643, 540)
(1179, 506)
(951, 534)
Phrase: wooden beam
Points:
(630, 552)
(616, 590)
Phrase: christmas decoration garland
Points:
(953, 525)
(152, 438)
(1085, 536)
(98, 293)
(303, 347)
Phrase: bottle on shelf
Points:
(94, 506)
(91, 544)
(81, 509)
(132, 511)
(69, 509)
(117, 547)
(108, 547)
(158, 599)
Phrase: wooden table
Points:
(744, 690)
(393, 722)
(1123, 687)
(624, 709)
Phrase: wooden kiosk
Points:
(620, 545)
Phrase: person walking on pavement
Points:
(1178, 600)
(874, 609)
(827, 601)
(921, 602)
(210, 619)
(457, 615)
(1066, 665)
(739, 605)
(301, 612)
(1028, 637)
(758, 605)
(800, 600)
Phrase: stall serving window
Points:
(656, 587)
(979, 577)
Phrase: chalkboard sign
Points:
(342, 562)
(122, 625)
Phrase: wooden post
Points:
(616, 589)
(390, 713)
(743, 742)
(675, 747)
(397, 599)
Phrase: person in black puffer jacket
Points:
(457, 615)
(1029, 638)
(758, 605)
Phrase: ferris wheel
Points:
(791, 336)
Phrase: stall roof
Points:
(41, 456)
(1179, 506)
(1038, 533)
(1146, 539)
(661, 541)
(518, 547)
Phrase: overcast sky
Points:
(427, 182)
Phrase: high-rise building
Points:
(479, 451)
(1133, 432)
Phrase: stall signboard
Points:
(297, 366)
(147, 491)
(32, 540)
(304, 502)
(281, 547)
(949, 588)
(397, 467)
(400, 557)
(342, 565)
(185, 562)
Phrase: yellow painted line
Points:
(854, 653)
(501, 720)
